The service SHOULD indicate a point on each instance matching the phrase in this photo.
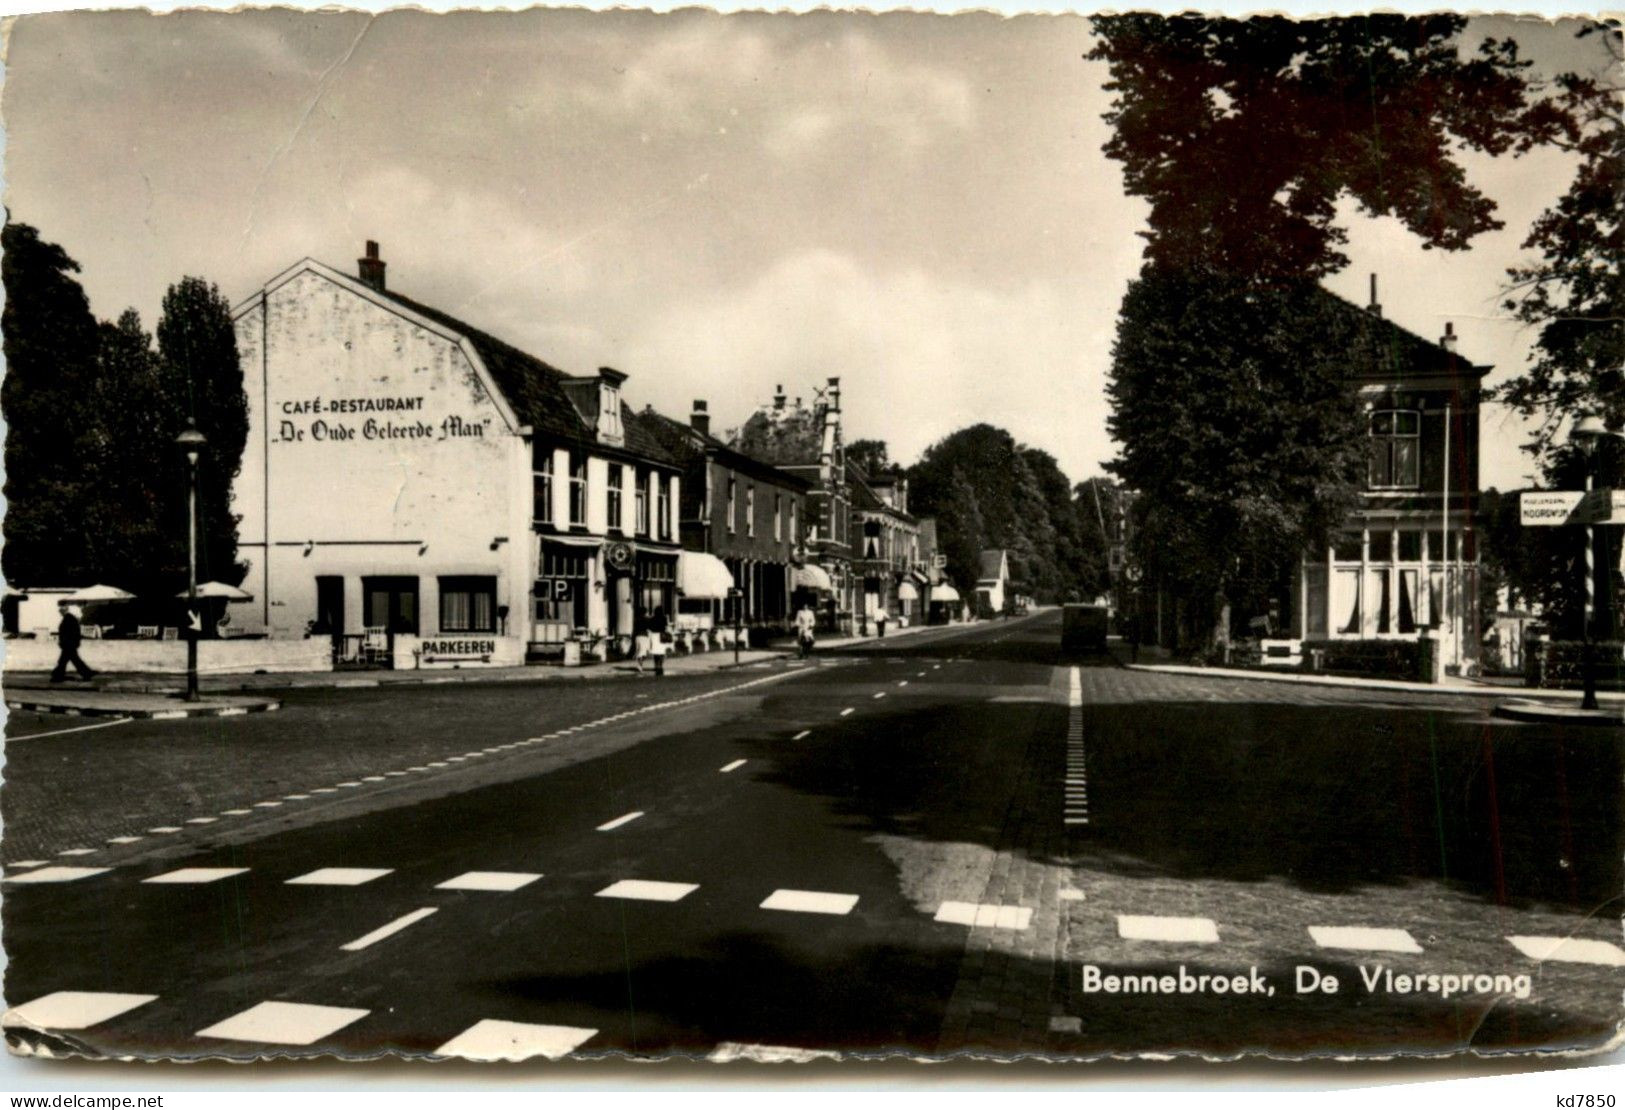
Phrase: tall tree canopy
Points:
(1239, 427)
(1574, 296)
(989, 492)
(197, 349)
(51, 418)
(1244, 133)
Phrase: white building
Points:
(426, 494)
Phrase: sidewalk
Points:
(1451, 684)
(87, 702)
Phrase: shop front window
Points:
(561, 591)
(468, 604)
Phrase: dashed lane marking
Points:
(325, 790)
(731, 767)
(353, 785)
(729, 1051)
(201, 820)
(503, 881)
(648, 890)
(903, 682)
(810, 901)
(1174, 930)
(880, 695)
(1360, 938)
(235, 812)
(124, 839)
(266, 805)
(165, 830)
(197, 875)
(295, 1023)
(32, 862)
(340, 876)
(802, 735)
(72, 1009)
(490, 1039)
(624, 819)
(78, 851)
(56, 875)
(982, 915)
(384, 932)
(847, 711)
(1570, 950)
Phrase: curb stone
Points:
(165, 714)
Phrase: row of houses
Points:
(412, 479)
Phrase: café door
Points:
(391, 604)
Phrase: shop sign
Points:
(1550, 508)
(619, 556)
(553, 589)
(457, 649)
(372, 419)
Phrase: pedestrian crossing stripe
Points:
(810, 901)
(1363, 939)
(983, 915)
(64, 1010)
(339, 876)
(1569, 950)
(196, 875)
(504, 881)
(1173, 930)
(56, 874)
(648, 890)
(491, 1040)
(384, 932)
(289, 1023)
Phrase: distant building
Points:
(806, 441)
(886, 555)
(745, 514)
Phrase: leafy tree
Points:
(1239, 427)
(870, 456)
(50, 414)
(200, 373)
(1243, 134)
(1575, 295)
(960, 532)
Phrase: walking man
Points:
(68, 637)
(805, 621)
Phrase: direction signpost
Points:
(1587, 508)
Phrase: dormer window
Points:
(609, 427)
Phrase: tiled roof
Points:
(1385, 351)
(535, 389)
(991, 565)
(684, 441)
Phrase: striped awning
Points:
(811, 576)
(703, 577)
(944, 592)
(907, 592)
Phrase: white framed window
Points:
(663, 505)
(642, 498)
(750, 510)
(1396, 436)
(578, 489)
(542, 487)
(615, 521)
(733, 504)
(778, 517)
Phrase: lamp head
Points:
(191, 441)
(1587, 431)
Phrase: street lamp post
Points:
(1585, 435)
(191, 441)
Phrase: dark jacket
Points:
(68, 634)
(658, 624)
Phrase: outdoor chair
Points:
(375, 645)
(146, 632)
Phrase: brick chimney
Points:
(371, 268)
(778, 398)
(1448, 339)
(1374, 307)
(700, 418)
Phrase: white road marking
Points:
(395, 774)
(1074, 691)
(648, 890)
(72, 1009)
(802, 735)
(1177, 930)
(734, 766)
(904, 682)
(78, 851)
(514, 1040)
(919, 674)
(384, 932)
(1570, 950)
(1362, 939)
(846, 711)
(729, 1051)
(349, 785)
(624, 819)
(1071, 894)
(810, 901)
(201, 820)
(438, 763)
(56, 874)
(298, 1023)
(65, 731)
(936, 666)
(296, 797)
(489, 880)
(880, 695)
(373, 778)
(982, 915)
(164, 830)
(235, 812)
(124, 839)
(340, 876)
(197, 875)
(266, 805)
(325, 790)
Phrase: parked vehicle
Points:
(1083, 627)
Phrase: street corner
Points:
(157, 707)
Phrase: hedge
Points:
(1374, 658)
(1560, 664)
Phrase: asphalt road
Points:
(755, 863)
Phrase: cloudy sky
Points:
(714, 204)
